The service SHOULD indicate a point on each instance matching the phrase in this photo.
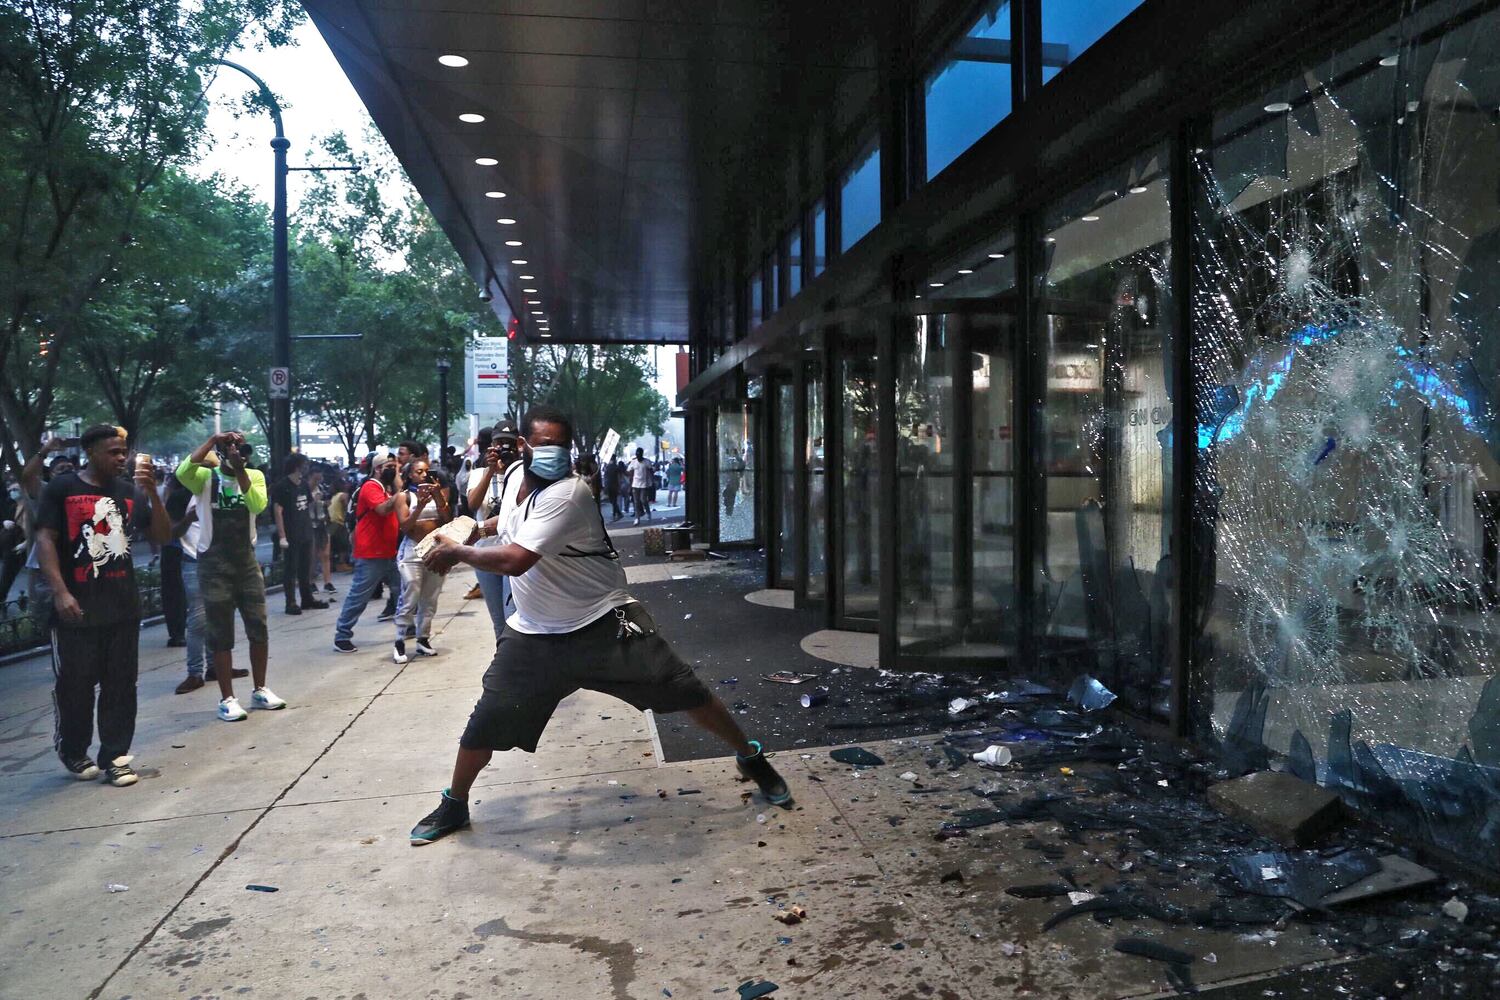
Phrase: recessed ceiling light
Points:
(965, 270)
(487, 161)
(494, 194)
(934, 284)
(1050, 239)
(506, 222)
(1278, 107)
(537, 312)
(533, 302)
(1138, 189)
(454, 61)
(471, 118)
(522, 263)
(530, 291)
(525, 277)
(1390, 60)
(546, 334)
(513, 243)
(1091, 218)
(997, 256)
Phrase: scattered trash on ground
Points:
(116, 887)
(857, 757)
(262, 888)
(789, 677)
(750, 990)
(790, 916)
(815, 699)
(994, 756)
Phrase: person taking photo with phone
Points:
(84, 525)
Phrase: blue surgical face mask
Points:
(548, 461)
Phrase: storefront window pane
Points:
(1346, 345)
(991, 630)
(737, 464)
(926, 529)
(754, 298)
(987, 271)
(794, 261)
(859, 525)
(970, 90)
(785, 484)
(773, 283)
(1105, 572)
(859, 199)
(817, 239)
(1070, 26)
(815, 454)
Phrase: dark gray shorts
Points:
(228, 584)
(530, 674)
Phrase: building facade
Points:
(1157, 341)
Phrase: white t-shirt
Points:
(577, 580)
(642, 475)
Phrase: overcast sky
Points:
(316, 99)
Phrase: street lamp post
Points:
(443, 364)
(281, 343)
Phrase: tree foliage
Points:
(97, 99)
(600, 388)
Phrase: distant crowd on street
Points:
(71, 519)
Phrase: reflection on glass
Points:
(1070, 26)
(785, 484)
(860, 524)
(815, 453)
(970, 90)
(859, 198)
(1346, 343)
(817, 239)
(773, 283)
(992, 360)
(1105, 572)
(987, 271)
(926, 532)
(754, 298)
(737, 461)
(794, 261)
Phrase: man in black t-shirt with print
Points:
(83, 549)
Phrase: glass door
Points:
(858, 523)
(737, 463)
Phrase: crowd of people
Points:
(545, 567)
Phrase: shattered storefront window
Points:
(859, 526)
(1346, 349)
(737, 465)
(1104, 573)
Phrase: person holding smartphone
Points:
(229, 496)
(422, 507)
(83, 549)
(377, 534)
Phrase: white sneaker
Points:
(398, 651)
(266, 698)
(424, 648)
(230, 710)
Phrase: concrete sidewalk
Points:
(592, 869)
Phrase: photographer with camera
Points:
(485, 491)
(292, 505)
(377, 531)
(229, 496)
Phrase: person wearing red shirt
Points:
(376, 536)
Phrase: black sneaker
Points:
(759, 770)
(176, 642)
(344, 646)
(329, 588)
(292, 609)
(450, 815)
(314, 605)
(398, 651)
(83, 768)
(387, 613)
(424, 648)
(212, 675)
(120, 775)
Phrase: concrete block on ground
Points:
(1287, 809)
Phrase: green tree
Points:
(600, 388)
(97, 99)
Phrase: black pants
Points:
(642, 501)
(297, 571)
(106, 657)
(173, 595)
(614, 503)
